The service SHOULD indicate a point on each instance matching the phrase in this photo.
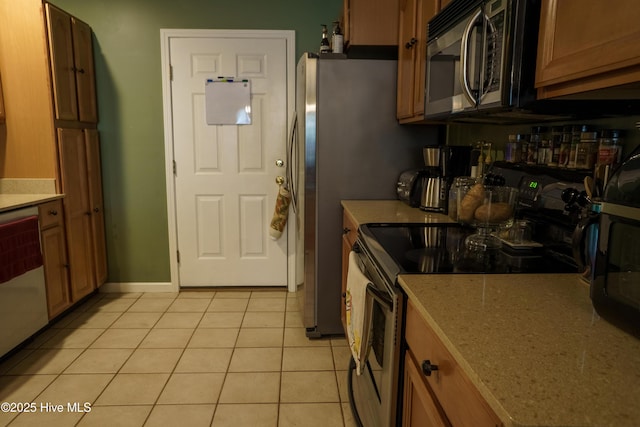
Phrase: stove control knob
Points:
(428, 368)
(569, 195)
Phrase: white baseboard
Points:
(139, 287)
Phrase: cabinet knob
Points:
(53, 212)
(81, 70)
(96, 210)
(346, 230)
(411, 43)
(428, 368)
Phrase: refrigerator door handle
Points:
(292, 155)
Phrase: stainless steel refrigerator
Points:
(349, 146)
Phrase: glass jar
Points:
(459, 182)
(587, 148)
(609, 147)
(513, 151)
(576, 132)
(555, 144)
(565, 146)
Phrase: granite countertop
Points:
(534, 347)
(389, 211)
(532, 344)
(20, 193)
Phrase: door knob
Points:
(279, 163)
(279, 180)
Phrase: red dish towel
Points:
(19, 247)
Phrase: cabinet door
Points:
(419, 407)
(62, 65)
(95, 202)
(371, 22)
(407, 48)
(85, 74)
(54, 254)
(2, 114)
(77, 210)
(586, 45)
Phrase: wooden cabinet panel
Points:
(62, 64)
(412, 54)
(54, 254)
(586, 45)
(420, 409)
(77, 210)
(370, 22)
(2, 113)
(349, 234)
(85, 74)
(94, 176)
(455, 393)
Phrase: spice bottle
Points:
(512, 151)
(325, 47)
(587, 148)
(610, 147)
(576, 132)
(554, 146)
(337, 40)
(565, 146)
(535, 140)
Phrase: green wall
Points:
(127, 57)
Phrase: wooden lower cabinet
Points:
(84, 219)
(419, 406)
(445, 396)
(54, 254)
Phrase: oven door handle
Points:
(383, 299)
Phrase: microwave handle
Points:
(492, 32)
(464, 51)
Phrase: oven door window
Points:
(623, 264)
(375, 358)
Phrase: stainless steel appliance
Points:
(350, 147)
(409, 187)
(615, 287)
(481, 59)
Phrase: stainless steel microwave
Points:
(481, 58)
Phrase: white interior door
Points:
(225, 175)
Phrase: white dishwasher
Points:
(23, 300)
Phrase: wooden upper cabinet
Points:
(71, 55)
(412, 54)
(85, 73)
(370, 22)
(586, 45)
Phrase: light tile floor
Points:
(224, 358)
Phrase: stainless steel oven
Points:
(373, 393)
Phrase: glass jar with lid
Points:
(587, 149)
(609, 147)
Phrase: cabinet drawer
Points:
(458, 397)
(50, 214)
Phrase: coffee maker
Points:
(442, 164)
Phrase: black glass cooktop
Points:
(441, 248)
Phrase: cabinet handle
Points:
(411, 43)
(96, 209)
(81, 70)
(53, 212)
(428, 368)
(346, 230)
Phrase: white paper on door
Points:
(228, 102)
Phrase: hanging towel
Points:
(281, 213)
(355, 301)
(19, 247)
